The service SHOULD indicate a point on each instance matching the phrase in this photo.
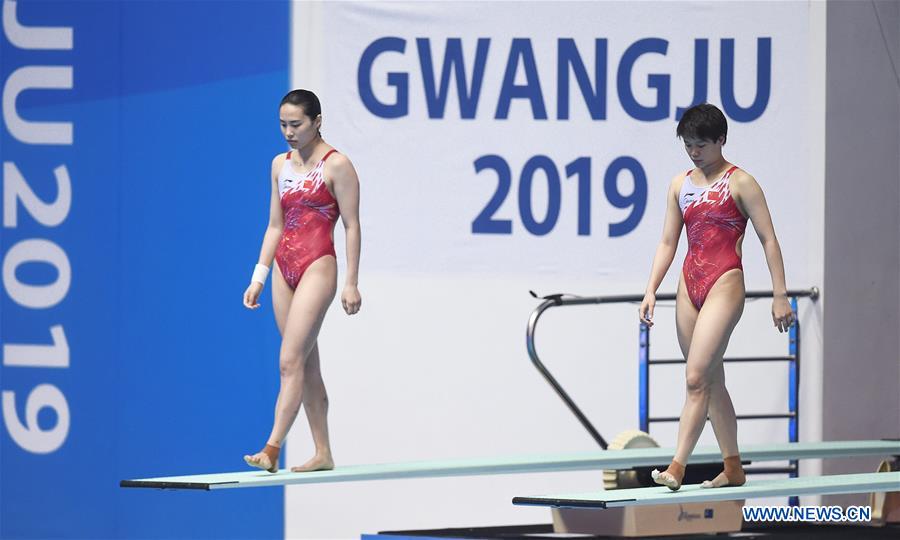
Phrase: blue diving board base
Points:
(811, 485)
(600, 459)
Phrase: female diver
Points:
(312, 185)
(714, 200)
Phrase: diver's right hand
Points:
(645, 312)
(251, 295)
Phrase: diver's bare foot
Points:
(259, 460)
(733, 475)
(267, 459)
(719, 481)
(317, 463)
(671, 477)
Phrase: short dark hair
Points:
(304, 99)
(704, 121)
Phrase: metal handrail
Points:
(662, 362)
(772, 416)
(560, 300)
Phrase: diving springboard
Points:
(808, 485)
(600, 459)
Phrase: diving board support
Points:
(658, 520)
(886, 506)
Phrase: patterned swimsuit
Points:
(310, 212)
(714, 225)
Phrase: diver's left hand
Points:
(350, 299)
(782, 314)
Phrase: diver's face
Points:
(703, 151)
(298, 128)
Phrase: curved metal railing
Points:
(561, 300)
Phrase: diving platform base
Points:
(657, 520)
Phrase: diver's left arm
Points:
(346, 191)
(750, 199)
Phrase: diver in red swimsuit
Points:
(715, 225)
(714, 200)
(311, 186)
(310, 212)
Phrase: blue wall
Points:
(174, 112)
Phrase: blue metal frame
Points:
(562, 300)
(644, 377)
(794, 376)
(794, 391)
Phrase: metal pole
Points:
(644, 377)
(532, 352)
(794, 391)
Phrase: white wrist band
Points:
(260, 273)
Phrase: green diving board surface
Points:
(809, 485)
(600, 459)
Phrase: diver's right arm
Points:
(665, 252)
(270, 239)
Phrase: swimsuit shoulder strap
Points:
(332, 151)
(284, 170)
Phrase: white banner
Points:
(546, 146)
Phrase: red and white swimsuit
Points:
(310, 212)
(714, 226)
